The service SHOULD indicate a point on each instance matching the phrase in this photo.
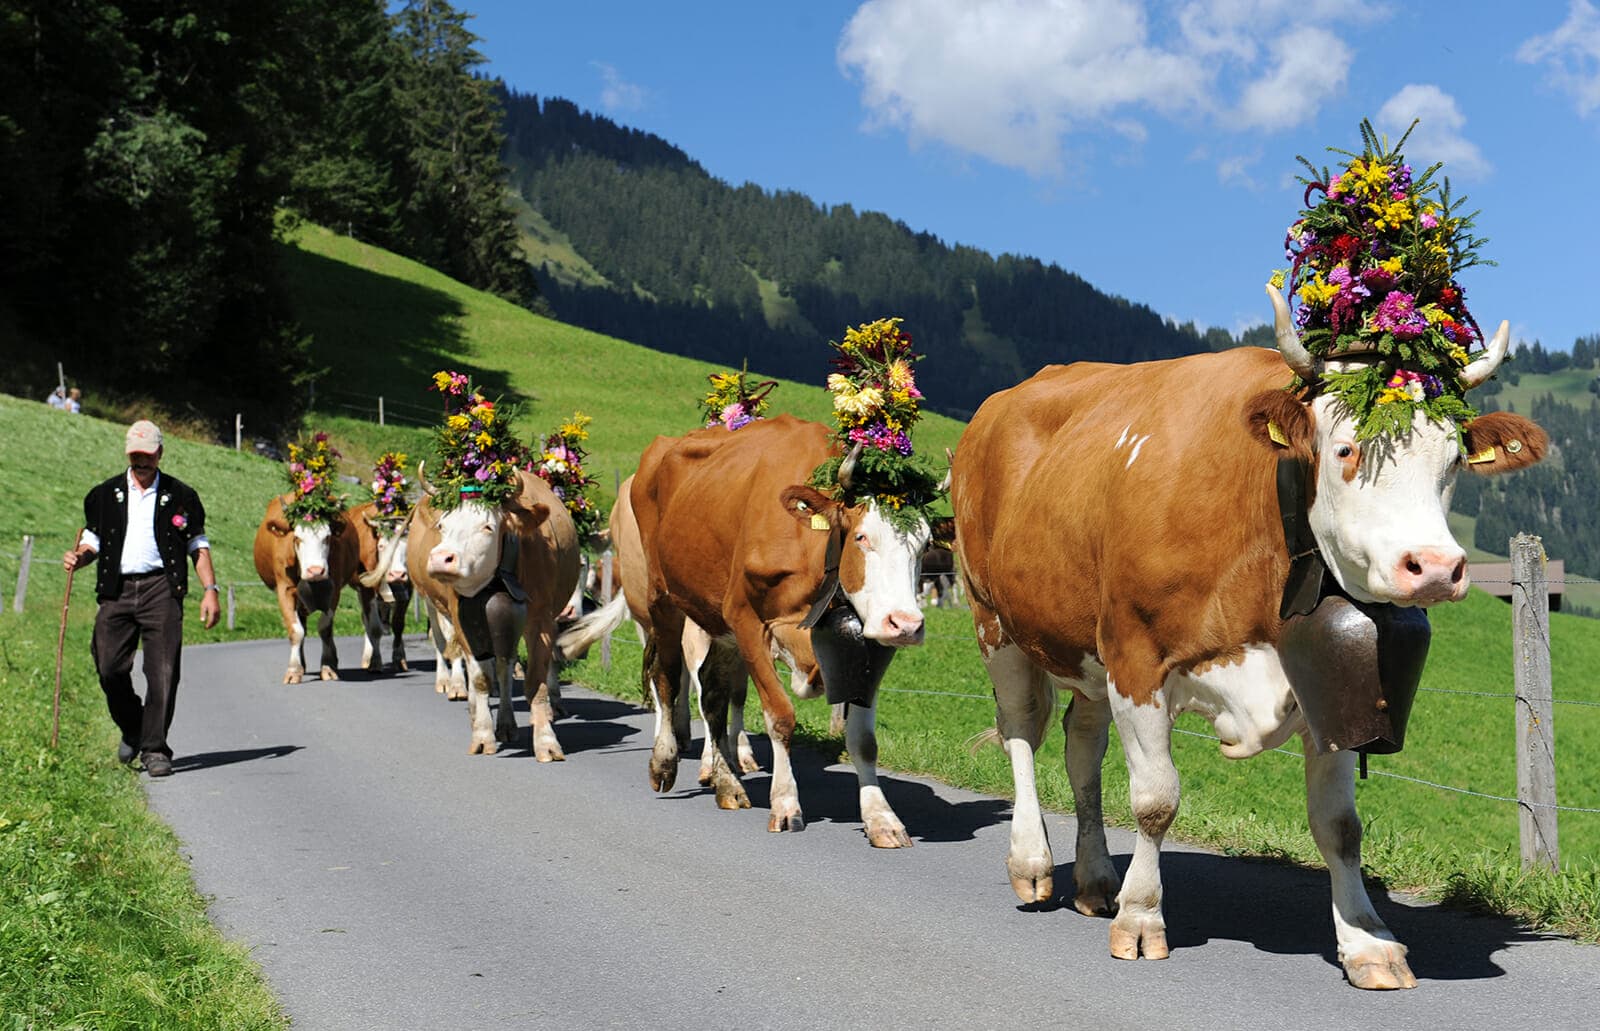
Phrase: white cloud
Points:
(1571, 55)
(616, 93)
(1011, 80)
(1437, 136)
(1234, 170)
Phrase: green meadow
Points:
(98, 915)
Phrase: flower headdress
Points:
(560, 464)
(389, 485)
(312, 471)
(875, 405)
(1375, 264)
(733, 402)
(478, 454)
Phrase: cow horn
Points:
(1294, 352)
(1494, 353)
(847, 468)
(422, 478)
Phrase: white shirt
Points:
(139, 551)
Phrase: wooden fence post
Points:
(22, 573)
(230, 606)
(605, 598)
(238, 431)
(1536, 742)
(380, 409)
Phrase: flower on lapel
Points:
(120, 496)
(166, 498)
(180, 520)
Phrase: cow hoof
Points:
(786, 820)
(886, 834)
(1096, 903)
(1096, 890)
(402, 666)
(731, 795)
(504, 733)
(748, 764)
(1032, 879)
(481, 746)
(552, 754)
(456, 694)
(663, 775)
(1135, 935)
(705, 776)
(438, 687)
(293, 677)
(1380, 973)
(329, 673)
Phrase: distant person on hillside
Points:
(144, 523)
(75, 401)
(57, 398)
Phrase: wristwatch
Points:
(213, 587)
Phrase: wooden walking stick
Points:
(61, 646)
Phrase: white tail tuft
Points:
(582, 635)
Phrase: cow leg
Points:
(397, 626)
(1146, 732)
(777, 711)
(541, 692)
(330, 649)
(289, 609)
(483, 736)
(666, 671)
(696, 649)
(371, 627)
(741, 739)
(505, 618)
(883, 828)
(1023, 704)
(454, 670)
(1371, 956)
(1094, 878)
(718, 766)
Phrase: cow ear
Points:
(1279, 422)
(526, 520)
(942, 532)
(1503, 442)
(810, 506)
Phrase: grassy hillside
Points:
(1568, 385)
(383, 325)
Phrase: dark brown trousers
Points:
(145, 613)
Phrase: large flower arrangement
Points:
(875, 405)
(1374, 263)
(732, 401)
(312, 471)
(560, 463)
(478, 454)
(389, 485)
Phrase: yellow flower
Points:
(1391, 265)
(1319, 292)
(484, 439)
(441, 380)
(573, 428)
(1277, 279)
(458, 422)
(838, 384)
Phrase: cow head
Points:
(470, 539)
(311, 541)
(878, 564)
(1377, 508)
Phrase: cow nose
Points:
(903, 627)
(441, 561)
(316, 572)
(1431, 574)
(397, 576)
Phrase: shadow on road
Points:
(1284, 909)
(206, 760)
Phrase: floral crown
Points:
(560, 463)
(1374, 263)
(389, 485)
(733, 402)
(478, 454)
(875, 405)
(312, 471)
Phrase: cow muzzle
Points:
(314, 574)
(1427, 576)
(444, 562)
(899, 629)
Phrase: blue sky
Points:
(1148, 147)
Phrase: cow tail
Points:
(984, 738)
(577, 639)
(647, 671)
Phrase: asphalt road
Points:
(383, 878)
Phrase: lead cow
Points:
(305, 565)
(737, 543)
(464, 557)
(1119, 534)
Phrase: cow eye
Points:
(861, 538)
(1344, 451)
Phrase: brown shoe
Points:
(156, 764)
(126, 753)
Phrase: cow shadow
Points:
(209, 760)
(586, 724)
(1279, 908)
(832, 794)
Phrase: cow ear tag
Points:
(1514, 447)
(1486, 455)
(820, 522)
(1276, 434)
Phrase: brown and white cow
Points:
(735, 541)
(704, 657)
(383, 587)
(306, 565)
(462, 556)
(1119, 533)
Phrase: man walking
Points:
(142, 524)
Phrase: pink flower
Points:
(179, 520)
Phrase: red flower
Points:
(1344, 247)
(179, 520)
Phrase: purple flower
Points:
(1398, 314)
(482, 475)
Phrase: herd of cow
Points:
(1120, 542)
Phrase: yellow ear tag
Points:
(1276, 434)
(820, 522)
(1486, 455)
